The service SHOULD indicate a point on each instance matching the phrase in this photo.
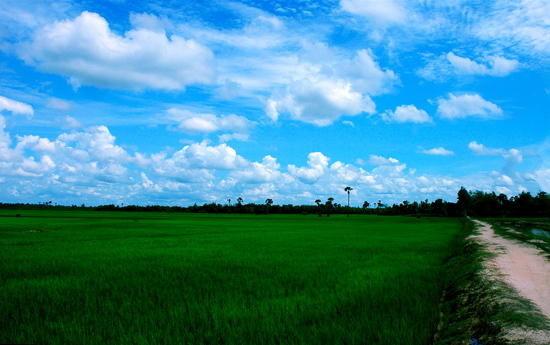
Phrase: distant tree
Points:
(347, 190)
(240, 201)
(229, 201)
(268, 203)
(439, 207)
(463, 201)
(366, 205)
(329, 205)
(318, 202)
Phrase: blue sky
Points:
(171, 102)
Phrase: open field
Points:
(159, 278)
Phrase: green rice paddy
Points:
(85, 277)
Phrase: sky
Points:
(182, 102)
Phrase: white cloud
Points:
(317, 164)
(192, 122)
(97, 142)
(58, 104)
(366, 75)
(78, 158)
(438, 151)
(88, 52)
(233, 136)
(542, 176)
(326, 85)
(69, 122)
(201, 155)
(15, 107)
(507, 180)
(271, 109)
(406, 113)
(259, 172)
(521, 25)
(381, 11)
(88, 165)
(320, 101)
(379, 160)
(512, 156)
(496, 65)
(5, 141)
(481, 149)
(466, 105)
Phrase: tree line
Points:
(469, 203)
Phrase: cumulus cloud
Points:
(495, 65)
(406, 113)
(192, 122)
(98, 142)
(88, 165)
(381, 11)
(74, 158)
(366, 75)
(196, 162)
(466, 105)
(201, 155)
(320, 101)
(15, 107)
(331, 87)
(88, 52)
(508, 175)
(512, 155)
(317, 164)
(268, 170)
(443, 67)
(438, 151)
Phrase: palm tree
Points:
(329, 205)
(347, 190)
(239, 200)
(318, 202)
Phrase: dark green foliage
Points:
(478, 204)
(464, 201)
(82, 277)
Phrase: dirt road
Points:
(523, 268)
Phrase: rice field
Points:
(88, 277)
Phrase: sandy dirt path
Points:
(523, 267)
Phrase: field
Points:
(156, 278)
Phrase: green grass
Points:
(156, 278)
